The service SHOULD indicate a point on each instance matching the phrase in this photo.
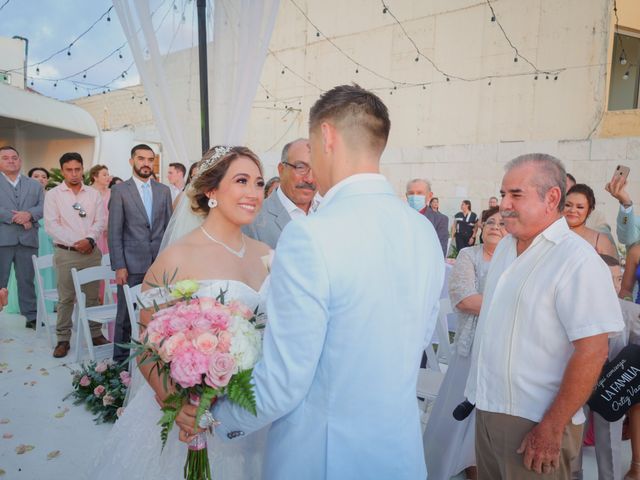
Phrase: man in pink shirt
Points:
(74, 218)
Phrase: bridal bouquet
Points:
(206, 348)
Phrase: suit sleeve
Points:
(115, 230)
(37, 211)
(297, 324)
(443, 233)
(628, 227)
(168, 210)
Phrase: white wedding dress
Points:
(132, 450)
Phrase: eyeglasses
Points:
(493, 223)
(301, 169)
(81, 212)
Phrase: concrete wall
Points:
(12, 60)
(457, 133)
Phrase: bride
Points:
(227, 192)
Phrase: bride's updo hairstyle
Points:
(211, 170)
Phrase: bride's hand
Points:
(186, 420)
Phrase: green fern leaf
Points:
(240, 391)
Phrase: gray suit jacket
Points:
(628, 227)
(133, 243)
(441, 223)
(270, 222)
(29, 197)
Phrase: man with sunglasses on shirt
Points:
(294, 198)
(74, 218)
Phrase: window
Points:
(624, 87)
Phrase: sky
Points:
(52, 25)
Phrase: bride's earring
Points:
(213, 203)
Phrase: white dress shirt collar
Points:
(14, 183)
(140, 184)
(359, 177)
(292, 209)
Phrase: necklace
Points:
(237, 253)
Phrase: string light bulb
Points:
(626, 75)
(623, 60)
(493, 18)
(384, 10)
(37, 70)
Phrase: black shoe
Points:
(30, 324)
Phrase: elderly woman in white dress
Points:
(449, 445)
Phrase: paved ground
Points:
(63, 436)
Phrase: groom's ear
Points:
(328, 133)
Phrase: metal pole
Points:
(204, 86)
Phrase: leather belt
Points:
(64, 247)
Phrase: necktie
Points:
(146, 199)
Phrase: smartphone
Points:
(621, 171)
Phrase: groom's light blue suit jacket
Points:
(353, 300)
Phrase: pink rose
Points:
(238, 308)
(119, 412)
(172, 345)
(206, 343)
(177, 324)
(125, 378)
(188, 367)
(108, 400)
(219, 319)
(221, 367)
(102, 367)
(224, 341)
(85, 381)
(99, 391)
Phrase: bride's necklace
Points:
(237, 253)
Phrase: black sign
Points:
(619, 386)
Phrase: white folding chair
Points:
(101, 314)
(131, 295)
(442, 331)
(109, 286)
(43, 319)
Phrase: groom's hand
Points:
(186, 420)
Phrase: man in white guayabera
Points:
(541, 342)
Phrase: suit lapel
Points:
(8, 190)
(277, 210)
(133, 191)
(155, 201)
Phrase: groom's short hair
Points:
(356, 113)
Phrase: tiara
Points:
(218, 153)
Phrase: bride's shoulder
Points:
(259, 247)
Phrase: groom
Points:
(353, 300)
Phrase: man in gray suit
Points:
(294, 197)
(139, 212)
(21, 202)
(419, 195)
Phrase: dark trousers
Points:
(122, 333)
(20, 257)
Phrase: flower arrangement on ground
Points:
(101, 386)
(204, 348)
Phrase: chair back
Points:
(131, 295)
(106, 260)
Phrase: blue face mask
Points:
(417, 202)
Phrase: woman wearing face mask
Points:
(579, 204)
(449, 444)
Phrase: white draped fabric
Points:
(136, 20)
(241, 33)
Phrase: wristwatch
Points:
(92, 242)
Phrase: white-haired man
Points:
(548, 307)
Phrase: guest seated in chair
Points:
(449, 445)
